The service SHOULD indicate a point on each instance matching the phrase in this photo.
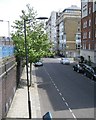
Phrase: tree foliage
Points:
(37, 41)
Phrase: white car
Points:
(39, 63)
(65, 61)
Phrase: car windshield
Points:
(65, 58)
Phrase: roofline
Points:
(72, 9)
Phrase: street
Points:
(64, 92)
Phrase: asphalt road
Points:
(64, 92)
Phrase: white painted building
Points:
(51, 29)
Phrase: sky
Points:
(10, 10)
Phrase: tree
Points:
(37, 41)
(39, 45)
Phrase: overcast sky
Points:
(11, 9)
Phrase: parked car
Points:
(65, 61)
(80, 59)
(38, 63)
(61, 55)
(79, 67)
(90, 72)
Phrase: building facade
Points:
(51, 29)
(69, 31)
(88, 30)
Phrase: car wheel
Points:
(74, 69)
(85, 74)
(92, 78)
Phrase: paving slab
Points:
(19, 106)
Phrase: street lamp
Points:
(26, 54)
(42, 18)
(64, 44)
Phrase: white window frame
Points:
(85, 24)
(90, 10)
(84, 35)
(89, 34)
(89, 22)
(89, 46)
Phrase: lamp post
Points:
(64, 45)
(42, 18)
(26, 54)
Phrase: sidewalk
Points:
(19, 106)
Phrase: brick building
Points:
(69, 31)
(88, 30)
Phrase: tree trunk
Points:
(18, 71)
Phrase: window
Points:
(79, 38)
(95, 47)
(89, 10)
(89, 46)
(89, 22)
(85, 24)
(79, 22)
(62, 37)
(84, 46)
(78, 29)
(89, 35)
(78, 46)
(84, 35)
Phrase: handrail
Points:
(7, 70)
(6, 63)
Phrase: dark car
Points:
(79, 67)
(90, 72)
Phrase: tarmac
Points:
(19, 106)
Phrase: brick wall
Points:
(71, 26)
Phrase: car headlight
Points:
(95, 75)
